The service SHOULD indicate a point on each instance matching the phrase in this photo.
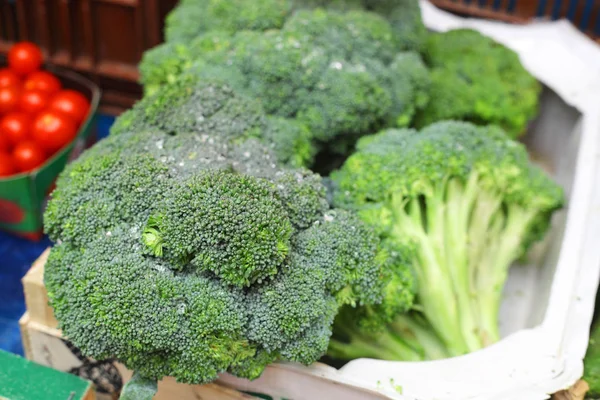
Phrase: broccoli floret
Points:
(303, 195)
(101, 190)
(186, 255)
(192, 17)
(164, 63)
(358, 277)
(405, 18)
(459, 203)
(410, 85)
(339, 74)
(290, 140)
(232, 225)
(476, 79)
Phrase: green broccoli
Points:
(183, 253)
(341, 75)
(476, 79)
(458, 204)
(591, 363)
(211, 107)
(192, 18)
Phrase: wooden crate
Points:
(44, 344)
(36, 298)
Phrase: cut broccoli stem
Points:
(443, 287)
(508, 233)
(407, 338)
(352, 341)
(381, 346)
(139, 388)
(465, 243)
(425, 338)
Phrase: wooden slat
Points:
(64, 18)
(152, 23)
(43, 27)
(45, 346)
(10, 26)
(22, 21)
(36, 298)
(88, 32)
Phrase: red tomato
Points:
(71, 103)
(53, 130)
(33, 102)
(15, 127)
(5, 145)
(28, 156)
(43, 81)
(7, 166)
(24, 58)
(9, 99)
(8, 78)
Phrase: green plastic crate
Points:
(22, 196)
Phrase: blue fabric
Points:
(16, 257)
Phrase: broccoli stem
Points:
(465, 242)
(352, 341)
(508, 234)
(438, 227)
(381, 346)
(139, 388)
(425, 338)
(407, 338)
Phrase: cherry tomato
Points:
(5, 145)
(7, 166)
(33, 102)
(43, 81)
(8, 78)
(53, 130)
(71, 103)
(28, 156)
(24, 58)
(15, 127)
(9, 99)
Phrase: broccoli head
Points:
(185, 254)
(458, 203)
(192, 18)
(339, 74)
(210, 107)
(476, 79)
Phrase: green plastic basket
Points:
(22, 196)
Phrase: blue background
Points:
(16, 257)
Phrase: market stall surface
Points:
(16, 257)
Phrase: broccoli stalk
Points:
(139, 388)
(462, 203)
(407, 338)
